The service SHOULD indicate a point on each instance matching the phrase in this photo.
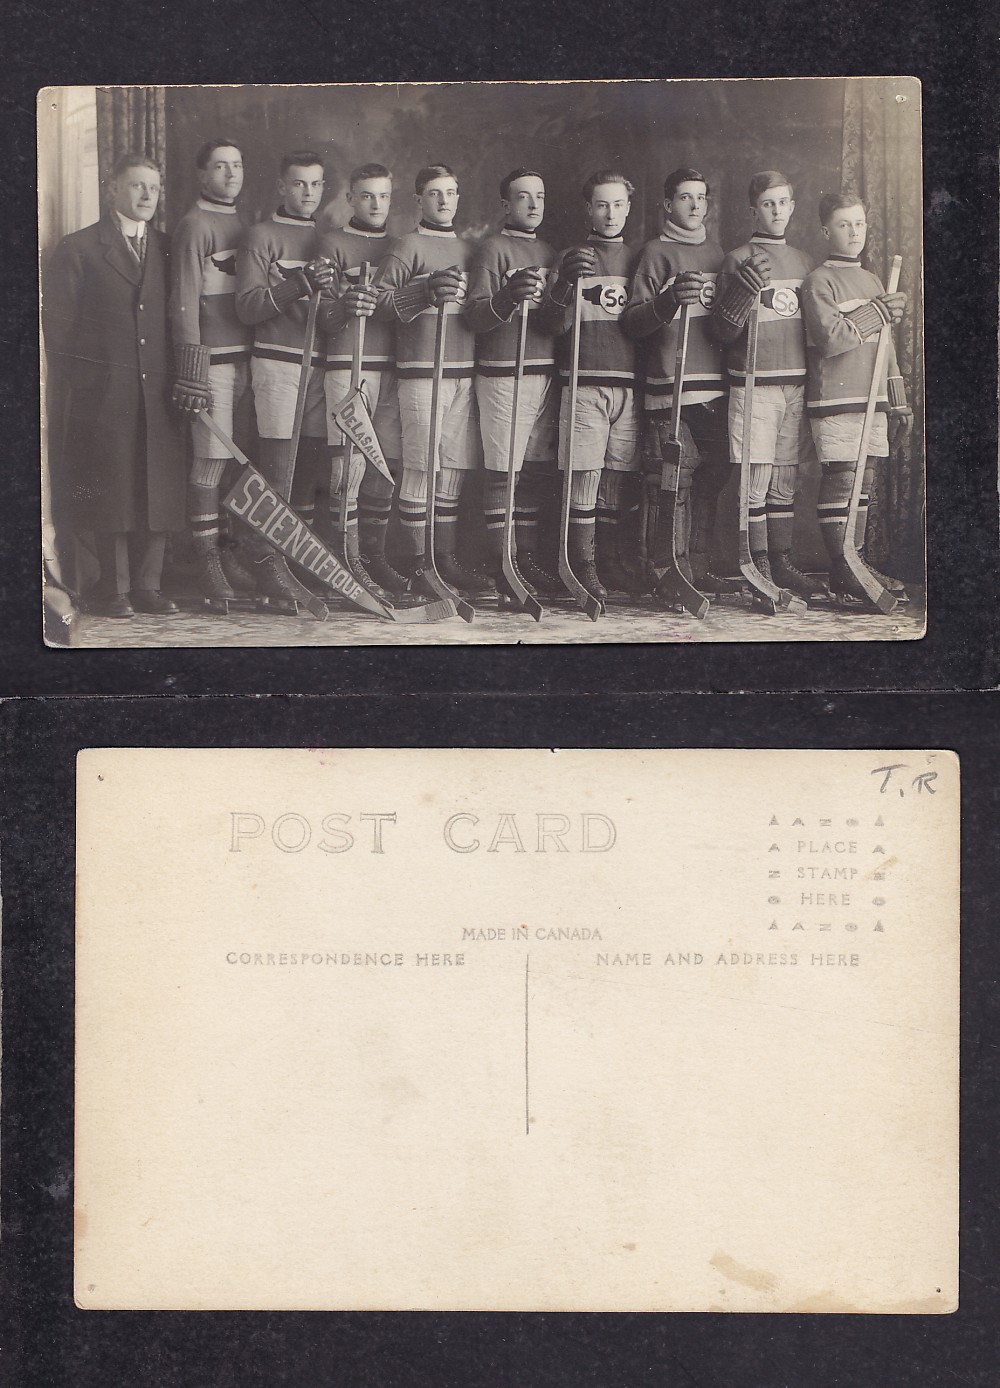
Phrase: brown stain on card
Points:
(738, 1272)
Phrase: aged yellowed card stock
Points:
(575, 1030)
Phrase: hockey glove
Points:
(359, 300)
(895, 304)
(521, 285)
(191, 390)
(900, 424)
(755, 272)
(869, 319)
(318, 274)
(739, 294)
(685, 288)
(445, 286)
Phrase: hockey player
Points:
(606, 426)
(845, 307)
(426, 268)
(767, 273)
(369, 494)
(681, 267)
(277, 271)
(205, 329)
(509, 269)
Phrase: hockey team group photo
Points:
(482, 363)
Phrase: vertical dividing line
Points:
(527, 1126)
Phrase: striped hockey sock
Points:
(834, 504)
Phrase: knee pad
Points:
(583, 489)
(760, 480)
(207, 472)
(609, 489)
(449, 483)
(414, 486)
(781, 487)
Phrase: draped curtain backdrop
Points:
(133, 118)
(881, 162)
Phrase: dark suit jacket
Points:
(116, 447)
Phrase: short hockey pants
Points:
(228, 382)
(537, 420)
(383, 402)
(459, 445)
(275, 386)
(778, 433)
(606, 429)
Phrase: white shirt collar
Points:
(130, 228)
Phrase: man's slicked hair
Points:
(768, 178)
(674, 180)
(513, 176)
(134, 159)
(830, 203)
(364, 171)
(428, 173)
(300, 159)
(606, 176)
(210, 146)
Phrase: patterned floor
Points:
(729, 620)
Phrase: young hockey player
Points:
(204, 327)
(680, 267)
(426, 268)
(369, 494)
(509, 269)
(845, 308)
(606, 429)
(767, 274)
(277, 271)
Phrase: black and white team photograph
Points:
(493, 363)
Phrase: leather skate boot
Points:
(238, 576)
(786, 575)
(273, 582)
(895, 586)
(465, 581)
(758, 602)
(845, 588)
(211, 576)
(707, 581)
(581, 558)
(536, 576)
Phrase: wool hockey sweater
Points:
(415, 257)
(495, 260)
(840, 364)
(202, 306)
(781, 343)
(660, 263)
(348, 248)
(271, 250)
(607, 355)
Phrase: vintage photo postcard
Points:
(496, 363)
(517, 1030)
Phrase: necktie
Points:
(138, 244)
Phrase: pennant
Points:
(353, 419)
(256, 502)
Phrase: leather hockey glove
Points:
(895, 304)
(191, 390)
(869, 319)
(359, 300)
(684, 289)
(445, 286)
(900, 414)
(317, 275)
(521, 285)
(740, 293)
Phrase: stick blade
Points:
(440, 611)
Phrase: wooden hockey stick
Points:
(444, 590)
(357, 359)
(525, 598)
(879, 595)
(774, 597)
(308, 342)
(665, 547)
(591, 605)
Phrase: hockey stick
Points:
(879, 595)
(774, 597)
(444, 590)
(665, 548)
(297, 542)
(357, 358)
(591, 605)
(303, 387)
(527, 600)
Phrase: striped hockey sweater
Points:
(607, 356)
(495, 260)
(840, 364)
(202, 307)
(271, 249)
(416, 256)
(781, 342)
(659, 265)
(348, 248)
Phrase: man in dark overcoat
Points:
(117, 454)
